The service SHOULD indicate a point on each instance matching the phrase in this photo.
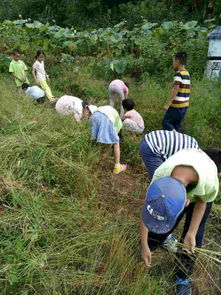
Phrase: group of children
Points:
(184, 179)
(18, 70)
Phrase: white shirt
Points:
(35, 92)
(40, 70)
(67, 105)
(208, 186)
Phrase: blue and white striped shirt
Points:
(167, 143)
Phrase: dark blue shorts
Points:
(152, 161)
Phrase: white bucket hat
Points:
(92, 108)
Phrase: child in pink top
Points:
(132, 120)
(120, 89)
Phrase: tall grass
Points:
(66, 225)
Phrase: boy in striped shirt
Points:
(157, 146)
(178, 103)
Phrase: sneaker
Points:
(170, 244)
(120, 169)
(183, 286)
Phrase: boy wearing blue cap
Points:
(186, 183)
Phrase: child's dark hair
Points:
(126, 84)
(39, 52)
(215, 155)
(128, 104)
(181, 57)
(15, 52)
(25, 86)
(85, 104)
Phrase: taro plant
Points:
(118, 66)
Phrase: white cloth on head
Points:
(132, 126)
(67, 105)
(92, 108)
(35, 92)
(40, 70)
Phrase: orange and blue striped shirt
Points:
(182, 78)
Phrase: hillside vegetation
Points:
(106, 13)
(67, 225)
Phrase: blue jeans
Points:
(152, 161)
(173, 118)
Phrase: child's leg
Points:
(122, 97)
(47, 89)
(77, 117)
(152, 161)
(118, 168)
(186, 260)
(169, 119)
(117, 153)
(20, 89)
(180, 116)
(132, 126)
(112, 97)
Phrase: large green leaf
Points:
(146, 27)
(118, 66)
(34, 25)
(190, 25)
(168, 25)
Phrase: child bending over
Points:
(118, 89)
(185, 185)
(34, 92)
(70, 105)
(105, 125)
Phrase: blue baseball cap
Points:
(165, 200)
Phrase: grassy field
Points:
(67, 226)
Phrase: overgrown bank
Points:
(68, 226)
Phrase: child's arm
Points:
(26, 72)
(190, 238)
(77, 117)
(126, 93)
(34, 75)
(26, 75)
(47, 76)
(125, 116)
(145, 250)
(173, 96)
(16, 77)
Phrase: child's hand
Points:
(166, 107)
(146, 255)
(190, 241)
(48, 78)
(23, 80)
(37, 82)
